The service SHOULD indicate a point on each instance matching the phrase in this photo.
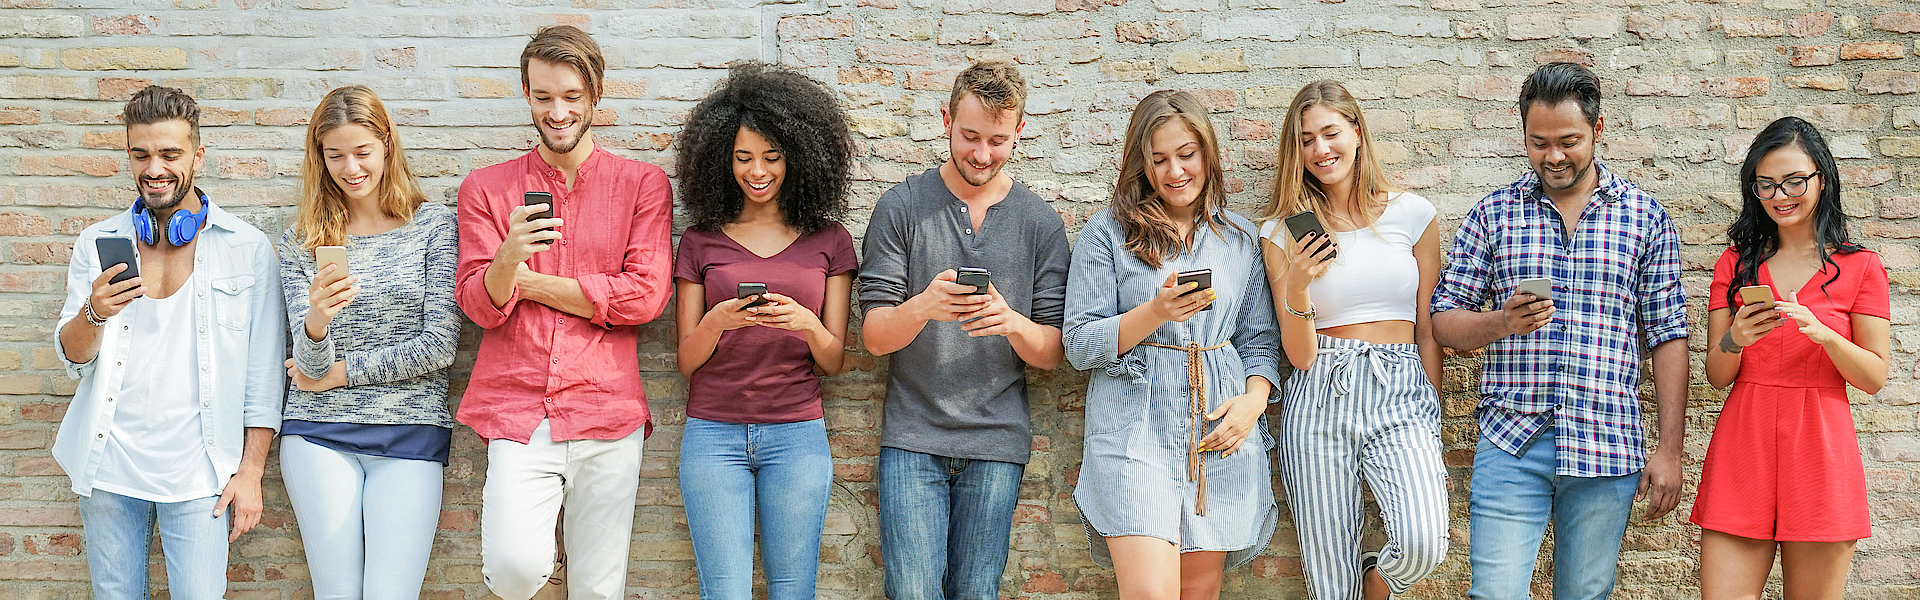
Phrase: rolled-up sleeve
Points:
(266, 344)
(638, 293)
(481, 233)
(883, 266)
(1050, 265)
(82, 268)
(1464, 283)
(1092, 319)
(1663, 301)
(1256, 333)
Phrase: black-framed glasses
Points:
(1793, 187)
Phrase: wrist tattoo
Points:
(1727, 345)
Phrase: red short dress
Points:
(1784, 463)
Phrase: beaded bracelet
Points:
(92, 317)
(1304, 315)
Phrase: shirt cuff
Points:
(74, 370)
(315, 359)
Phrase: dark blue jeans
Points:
(944, 524)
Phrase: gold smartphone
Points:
(1756, 294)
(331, 255)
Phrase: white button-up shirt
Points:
(241, 337)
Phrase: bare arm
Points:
(1661, 482)
(1297, 335)
(1863, 361)
(242, 492)
(829, 344)
(559, 293)
(1426, 252)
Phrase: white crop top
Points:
(1375, 277)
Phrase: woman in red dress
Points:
(1783, 472)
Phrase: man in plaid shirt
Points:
(1562, 437)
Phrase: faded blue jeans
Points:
(945, 524)
(119, 530)
(776, 474)
(1514, 497)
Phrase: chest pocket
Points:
(231, 305)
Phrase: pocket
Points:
(230, 301)
(1111, 410)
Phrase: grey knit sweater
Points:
(397, 336)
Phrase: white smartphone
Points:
(1541, 288)
(331, 255)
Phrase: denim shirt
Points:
(241, 339)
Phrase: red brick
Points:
(1900, 207)
(1872, 51)
(1898, 22)
(1251, 129)
(42, 253)
(1421, 178)
(45, 412)
(1752, 27)
(1151, 32)
(121, 88)
(1217, 100)
(1865, 176)
(281, 117)
(1811, 24)
(893, 54)
(1811, 56)
(1889, 82)
(110, 139)
(62, 515)
(879, 75)
(22, 224)
(1737, 87)
(124, 24)
(1044, 582)
(1581, 56)
(240, 572)
(23, 439)
(36, 466)
(1489, 88)
(17, 115)
(58, 544)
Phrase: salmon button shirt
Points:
(536, 362)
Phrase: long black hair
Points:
(798, 115)
(1756, 237)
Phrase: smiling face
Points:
(980, 139)
(562, 108)
(163, 158)
(1329, 145)
(1175, 165)
(356, 160)
(757, 167)
(1792, 170)
(1560, 144)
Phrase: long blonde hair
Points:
(322, 218)
(1294, 190)
(1151, 235)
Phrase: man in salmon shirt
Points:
(556, 391)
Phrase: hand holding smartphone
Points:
(1756, 294)
(757, 291)
(1203, 277)
(1305, 222)
(1540, 287)
(974, 276)
(117, 251)
(331, 255)
(532, 198)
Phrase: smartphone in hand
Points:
(1541, 287)
(532, 198)
(757, 291)
(973, 276)
(117, 251)
(330, 255)
(1756, 294)
(1204, 277)
(1305, 222)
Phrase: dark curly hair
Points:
(798, 115)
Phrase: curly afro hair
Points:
(798, 115)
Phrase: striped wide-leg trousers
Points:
(1363, 411)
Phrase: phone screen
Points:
(118, 250)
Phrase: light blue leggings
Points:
(367, 521)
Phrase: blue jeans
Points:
(367, 522)
(776, 473)
(119, 530)
(1513, 497)
(944, 524)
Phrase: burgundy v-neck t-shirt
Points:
(761, 374)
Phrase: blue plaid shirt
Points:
(1616, 280)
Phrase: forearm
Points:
(887, 329)
(253, 455)
(1466, 330)
(1038, 345)
(80, 339)
(501, 279)
(559, 293)
(1136, 325)
(1258, 386)
(1723, 359)
(1298, 336)
(829, 350)
(1430, 356)
(1670, 391)
(1859, 366)
(696, 348)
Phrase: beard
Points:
(1578, 175)
(566, 145)
(986, 177)
(161, 201)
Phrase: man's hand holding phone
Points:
(994, 317)
(1173, 303)
(1526, 313)
(944, 300)
(527, 236)
(109, 298)
(331, 290)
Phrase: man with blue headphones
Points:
(179, 367)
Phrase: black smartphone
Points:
(1305, 222)
(532, 198)
(117, 251)
(1204, 277)
(751, 290)
(973, 276)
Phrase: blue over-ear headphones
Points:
(180, 229)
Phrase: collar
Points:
(552, 173)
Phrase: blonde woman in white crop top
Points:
(1352, 308)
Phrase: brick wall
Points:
(1687, 84)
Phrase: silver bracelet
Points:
(92, 317)
(1304, 315)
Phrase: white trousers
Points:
(527, 484)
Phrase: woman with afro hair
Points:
(764, 275)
